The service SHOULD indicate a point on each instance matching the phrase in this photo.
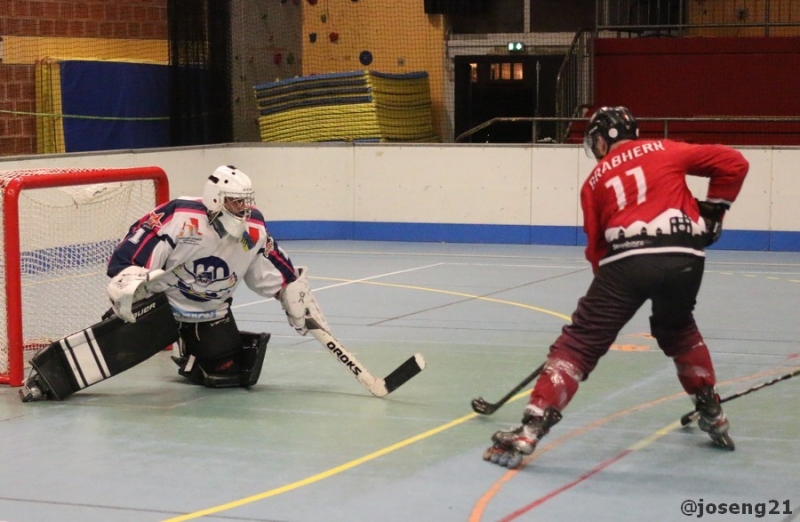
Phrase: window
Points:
(506, 71)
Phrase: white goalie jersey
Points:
(203, 265)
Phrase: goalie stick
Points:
(692, 415)
(377, 387)
(479, 404)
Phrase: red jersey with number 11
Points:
(636, 200)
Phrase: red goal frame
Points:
(33, 179)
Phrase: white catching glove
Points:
(299, 303)
(128, 287)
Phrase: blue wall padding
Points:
(116, 90)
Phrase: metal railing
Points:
(753, 123)
(573, 91)
(679, 17)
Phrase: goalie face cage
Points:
(59, 229)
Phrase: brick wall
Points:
(128, 19)
(17, 96)
(81, 19)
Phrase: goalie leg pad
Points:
(188, 367)
(222, 355)
(246, 372)
(210, 349)
(104, 349)
(255, 348)
(51, 375)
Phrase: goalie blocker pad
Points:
(105, 349)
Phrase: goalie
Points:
(173, 277)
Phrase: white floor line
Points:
(347, 283)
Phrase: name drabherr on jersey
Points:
(619, 159)
(627, 244)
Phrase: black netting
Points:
(200, 72)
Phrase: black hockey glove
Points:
(712, 214)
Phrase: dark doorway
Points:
(488, 87)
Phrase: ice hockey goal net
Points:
(59, 229)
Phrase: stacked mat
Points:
(350, 106)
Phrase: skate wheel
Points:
(30, 394)
(724, 441)
(514, 461)
(503, 459)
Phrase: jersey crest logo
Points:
(250, 238)
(254, 235)
(269, 247)
(153, 220)
(208, 279)
(190, 232)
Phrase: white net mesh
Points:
(67, 234)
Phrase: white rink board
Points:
(556, 182)
(785, 190)
(443, 183)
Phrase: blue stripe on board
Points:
(284, 230)
(742, 240)
(499, 234)
(441, 232)
(784, 241)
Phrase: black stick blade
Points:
(404, 372)
(479, 405)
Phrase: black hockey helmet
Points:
(613, 124)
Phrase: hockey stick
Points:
(692, 415)
(479, 404)
(377, 387)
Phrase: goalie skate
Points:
(32, 391)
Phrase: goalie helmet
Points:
(613, 124)
(228, 195)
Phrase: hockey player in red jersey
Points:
(646, 237)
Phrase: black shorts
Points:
(670, 281)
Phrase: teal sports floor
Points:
(309, 443)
